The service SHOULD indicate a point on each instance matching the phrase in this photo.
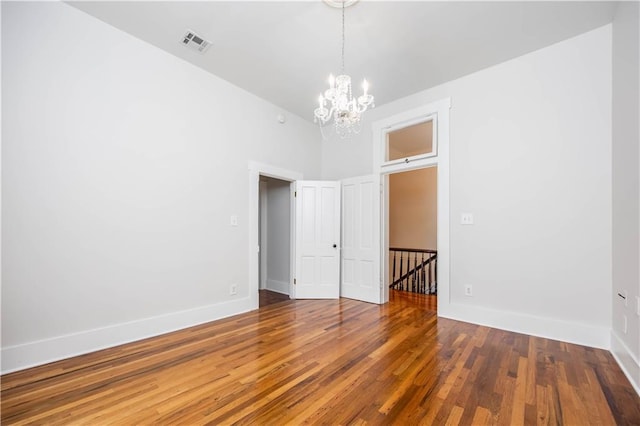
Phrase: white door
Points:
(317, 240)
(361, 239)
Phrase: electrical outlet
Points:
(233, 289)
(466, 218)
(468, 291)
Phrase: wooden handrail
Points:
(412, 250)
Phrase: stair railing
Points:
(414, 270)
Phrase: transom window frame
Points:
(402, 162)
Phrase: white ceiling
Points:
(284, 51)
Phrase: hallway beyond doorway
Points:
(268, 297)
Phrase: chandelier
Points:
(338, 102)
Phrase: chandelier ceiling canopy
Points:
(337, 101)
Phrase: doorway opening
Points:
(274, 240)
(412, 246)
(412, 140)
(256, 171)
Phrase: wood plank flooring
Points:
(268, 297)
(329, 362)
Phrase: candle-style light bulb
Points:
(321, 101)
(332, 81)
(365, 86)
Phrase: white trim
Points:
(262, 242)
(292, 239)
(405, 119)
(416, 117)
(256, 170)
(444, 254)
(40, 352)
(433, 118)
(628, 362)
(440, 110)
(412, 164)
(274, 172)
(549, 328)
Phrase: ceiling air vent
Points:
(194, 42)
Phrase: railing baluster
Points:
(430, 273)
(413, 278)
(393, 274)
(408, 266)
(422, 286)
(435, 284)
(424, 276)
(401, 272)
(411, 274)
(417, 269)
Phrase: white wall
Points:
(121, 167)
(278, 235)
(626, 188)
(530, 156)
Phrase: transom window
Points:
(411, 142)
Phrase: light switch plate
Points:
(234, 220)
(466, 218)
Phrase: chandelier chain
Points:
(343, 2)
(338, 102)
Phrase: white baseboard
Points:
(629, 363)
(40, 352)
(278, 286)
(550, 328)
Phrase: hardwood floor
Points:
(329, 362)
(268, 297)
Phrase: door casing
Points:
(438, 111)
(256, 170)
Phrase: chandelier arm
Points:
(332, 112)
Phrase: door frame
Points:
(440, 112)
(256, 170)
(262, 239)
